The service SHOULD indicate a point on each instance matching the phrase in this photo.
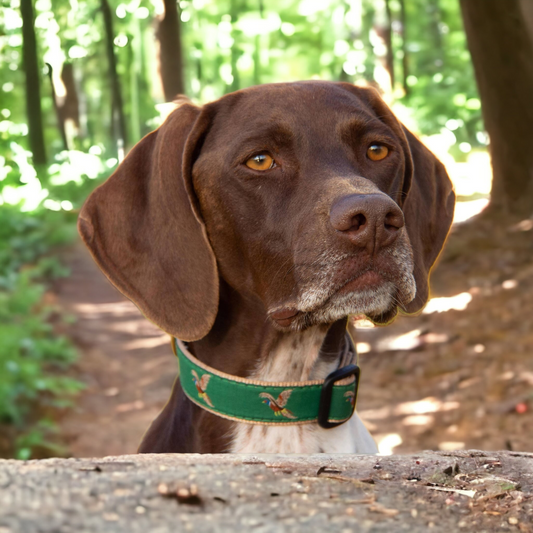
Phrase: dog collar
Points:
(330, 402)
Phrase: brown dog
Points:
(252, 224)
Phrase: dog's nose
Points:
(370, 221)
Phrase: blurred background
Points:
(83, 374)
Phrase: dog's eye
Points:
(261, 162)
(377, 152)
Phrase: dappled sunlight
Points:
(148, 342)
(407, 341)
(451, 446)
(427, 405)
(116, 309)
(472, 179)
(387, 443)
(467, 210)
(459, 302)
(128, 326)
(524, 225)
(420, 407)
(414, 417)
(418, 420)
(363, 347)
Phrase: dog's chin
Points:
(379, 304)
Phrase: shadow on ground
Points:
(458, 378)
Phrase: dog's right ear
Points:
(145, 232)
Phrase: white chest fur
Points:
(295, 358)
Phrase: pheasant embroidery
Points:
(278, 406)
(350, 397)
(201, 385)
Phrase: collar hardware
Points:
(327, 393)
(329, 402)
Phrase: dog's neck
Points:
(244, 343)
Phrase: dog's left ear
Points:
(428, 197)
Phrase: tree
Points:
(502, 54)
(117, 112)
(33, 93)
(170, 54)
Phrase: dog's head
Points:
(310, 198)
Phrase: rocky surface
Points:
(430, 491)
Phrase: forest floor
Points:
(458, 378)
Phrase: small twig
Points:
(378, 508)
(469, 493)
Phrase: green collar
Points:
(329, 402)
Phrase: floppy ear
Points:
(428, 211)
(427, 201)
(144, 231)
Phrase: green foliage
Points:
(33, 358)
(443, 93)
(231, 44)
(227, 45)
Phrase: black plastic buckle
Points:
(327, 392)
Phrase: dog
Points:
(250, 229)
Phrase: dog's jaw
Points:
(296, 357)
(371, 302)
(326, 292)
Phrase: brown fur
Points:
(210, 251)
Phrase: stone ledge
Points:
(160, 493)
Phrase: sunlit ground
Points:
(472, 179)
(414, 413)
(472, 182)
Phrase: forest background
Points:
(82, 82)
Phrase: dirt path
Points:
(457, 379)
(125, 361)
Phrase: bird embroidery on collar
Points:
(350, 397)
(201, 385)
(278, 406)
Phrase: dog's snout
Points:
(369, 221)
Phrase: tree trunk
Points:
(388, 42)
(235, 9)
(502, 56)
(367, 23)
(170, 52)
(257, 50)
(70, 110)
(405, 57)
(33, 94)
(60, 121)
(438, 46)
(527, 12)
(118, 119)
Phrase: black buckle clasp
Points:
(327, 392)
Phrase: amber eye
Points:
(377, 152)
(261, 162)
